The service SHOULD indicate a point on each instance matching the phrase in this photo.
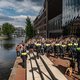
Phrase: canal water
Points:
(7, 56)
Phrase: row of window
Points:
(71, 9)
(55, 23)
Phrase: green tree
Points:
(8, 29)
(29, 28)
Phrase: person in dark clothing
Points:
(57, 49)
(78, 59)
(38, 46)
(63, 50)
(42, 48)
(18, 50)
(24, 57)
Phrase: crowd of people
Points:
(59, 47)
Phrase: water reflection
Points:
(7, 56)
(8, 46)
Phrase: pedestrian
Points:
(69, 69)
(18, 50)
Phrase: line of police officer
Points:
(59, 49)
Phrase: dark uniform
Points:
(24, 57)
(42, 48)
(78, 58)
(48, 47)
(38, 47)
(63, 50)
(74, 54)
(57, 49)
(69, 49)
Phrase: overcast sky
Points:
(16, 11)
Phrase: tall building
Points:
(54, 18)
(55, 15)
(40, 22)
(71, 9)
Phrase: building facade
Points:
(40, 22)
(19, 32)
(56, 15)
(70, 10)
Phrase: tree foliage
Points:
(8, 29)
(29, 28)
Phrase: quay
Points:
(3, 37)
(37, 69)
(18, 72)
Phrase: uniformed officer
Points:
(42, 48)
(63, 49)
(24, 57)
(69, 48)
(47, 48)
(78, 58)
(75, 45)
(57, 49)
(38, 46)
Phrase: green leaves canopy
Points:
(29, 28)
(8, 29)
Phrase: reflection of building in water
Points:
(19, 32)
(56, 15)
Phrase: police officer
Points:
(47, 47)
(69, 48)
(38, 46)
(63, 49)
(42, 48)
(78, 56)
(75, 45)
(24, 57)
(57, 49)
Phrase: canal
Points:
(7, 56)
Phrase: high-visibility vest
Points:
(75, 44)
(78, 49)
(57, 44)
(47, 44)
(63, 45)
(38, 44)
(23, 53)
(70, 44)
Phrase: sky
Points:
(16, 11)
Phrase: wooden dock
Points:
(37, 69)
